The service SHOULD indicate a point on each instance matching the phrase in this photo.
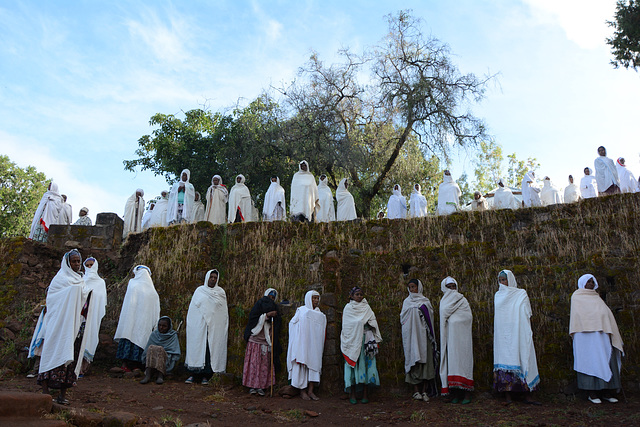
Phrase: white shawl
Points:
(346, 205)
(133, 213)
(414, 328)
(146, 218)
(606, 173)
(571, 193)
(159, 215)
(588, 186)
(513, 349)
(239, 197)
(549, 195)
(275, 196)
(326, 210)
(628, 183)
(448, 196)
(197, 213)
(304, 193)
(354, 317)
(417, 203)
(456, 339)
(503, 198)
(207, 323)
(189, 198)
(140, 309)
(63, 318)
(48, 210)
(530, 192)
(217, 197)
(66, 214)
(397, 204)
(306, 336)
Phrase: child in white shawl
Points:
(418, 341)
(346, 205)
(397, 204)
(359, 341)
(456, 342)
(417, 203)
(240, 203)
(275, 206)
(306, 345)
(326, 210)
(597, 344)
(197, 213)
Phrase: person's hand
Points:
(272, 313)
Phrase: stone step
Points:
(20, 404)
(30, 422)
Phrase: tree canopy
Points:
(625, 43)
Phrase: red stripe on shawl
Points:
(44, 225)
(241, 216)
(460, 382)
(349, 361)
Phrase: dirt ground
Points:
(177, 404)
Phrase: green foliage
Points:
(625, 43)
(465, 188)
(517, 169)
(20, 192)
(488, 165)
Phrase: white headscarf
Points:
(133, 219)
(48, 210)
(589, 186)
(503, 197)
(628, 183)
(274, 196)
(189, 197)
(306, 336)
(326, 211)
(240, 197)
(530, 192)
(346, 205)
(217, 197)
(414, 328)
(606, 173)
(397, 204)
(448, 196)
(549, 195)
(354, 317)
(304, 193)
(417, 203)
(571, 193)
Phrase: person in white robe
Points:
(515, 368)
(305, 199)
(138, 317)
(597, 344)
(503, 198)
(217, 197)
(606, 173)
(83, 217)
(397, 204)
(133, 213)
(417, 203)
(306, 345)
(181, 199)
(448, 195)
(418, 341)
(326, 209)
(549, 195)
(207, 330)
(47, 213)
(588, 185)
(628, 183)
(159, 214)
(197, 213)
(456, 343)
(148, 214)
(479, 203)
(240, 203)
(571, 192)
(62, 322)
(346, 205)
(66, 212)
(530, 190)
(275, 207)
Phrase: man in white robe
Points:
(549, 195)
(448, 195)
(133, 212)
(479, 203)
(198, 209)
(417, 203)
(503, 198)
(240, 203)
(628, 183)
(181, 199)
(571, 192)
(588, 185)
(326, 210)
(47, 213)
(305, 199)
(397, 204)
(217, 197)
(159, 214)
(346, 205)
(606, 173)
(530, 190)
(66, 212)
(275, 207)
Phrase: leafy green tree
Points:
(20, 192)
(488, 166)
(517, 169)
(625, 43)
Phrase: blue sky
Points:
(81, 79)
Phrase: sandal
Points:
(417, 396)
(465, 402)
(353, 401)
(62, 401)
(425, 396)
(364, 401)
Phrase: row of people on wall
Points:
(76, 304)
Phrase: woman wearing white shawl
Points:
(275, 206)
(418, 341)
(346, 205)
(197, 213)
(138, 316)
(181, 198)
(628, 183)
(133, 213)
(597, 344)
(62, 323)
(240, 203)
(326, 211)
(66, 212)
(549, 195)
(571, 191)
(456, 342)
(515, 368)
(207, 330)
(148, 214)
(47, 213)
(417, 203)
(306, 345)
(503, 198)
(530, 190)
(217, 197)
(159, 214)
(606, 173)
(448, 195)
(304, 194)
(397, 204)
(588, 185)
(359, 341)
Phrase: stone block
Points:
(84, 418)
(98, 242)
(331, 347)
(14, 404)
(332, 332)
(330, 313)
(120, 419)
(329, 299)
(108, 218)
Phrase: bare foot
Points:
(313, 396)
(304, 395)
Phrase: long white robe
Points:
(48, 210)
(146, 218)
(197, 213)
(503, 198)
(448, 196)
(240, 198)
(217, 197)
(354, 317)
(589, 186)
(326, 211)
(346, 205)
(550, 195)
(417, 203)
(397, 204)
(571, 193)
(606, 173)
(414, 326)
(189, 198)
(275, 206)
(133, 213)
(66, 214)
(159, 214)
(530, 192)
(628, 183)
(304, 194)
(95, 286)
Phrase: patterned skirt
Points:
(129, 351)
(257, 364)
(157, 358)
(60, 377)
(507, 381)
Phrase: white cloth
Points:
(217, 197)
(589, 186)
(146, 218)
(397, 204)
(35, 347)
(66, 214)
(628, 183)
(306, 341)
(354, 317)
(571, 193)
(304, 193)
(189, 198)
(207, 323)
(48, 210)
(550, 195)
(530, 191)
(63, 319)
(513, 349)
(346, 205)
(456, 339)
(503, 198)
(140, 309)
(479, 205)
(414, 328)
(133, 212)
(275, 205)
(417, 203)
(197, 214)
(606, 173)
(448, 196)
(240, 197)
(326, 211)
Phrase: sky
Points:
(80, 80)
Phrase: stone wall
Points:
(105, 235)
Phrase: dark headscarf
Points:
(262, 306)
(353, 291)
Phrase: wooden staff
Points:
(271, 370)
